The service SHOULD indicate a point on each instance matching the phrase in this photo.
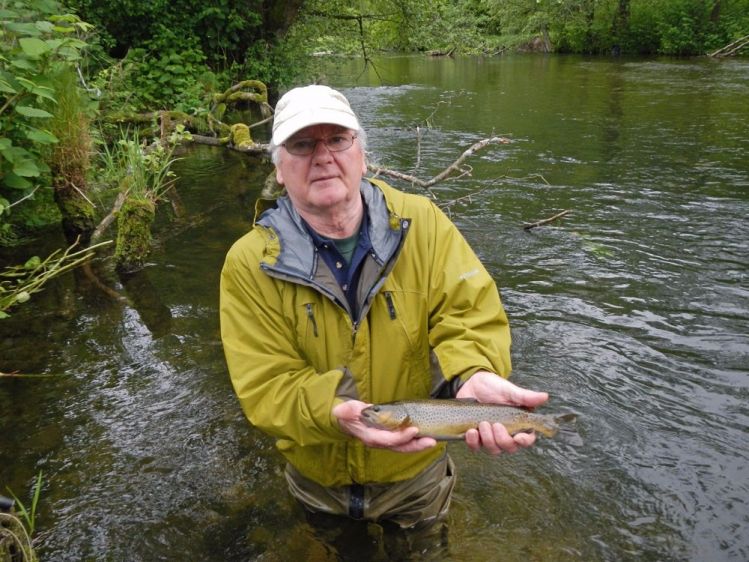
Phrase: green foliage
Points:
(37, 39)
(141, 169)
(29, 515)
(166, 72)
(223, 29)
(19, 282)
(681, 27)
(673, 27)
(15, 542)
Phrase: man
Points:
(348, 292)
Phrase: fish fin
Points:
(566, 418)
(570, 436)
(405, 423)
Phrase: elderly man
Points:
(348, 292)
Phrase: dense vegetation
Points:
(66, 66)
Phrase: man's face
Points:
(323, 180)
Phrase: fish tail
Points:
(566, 433)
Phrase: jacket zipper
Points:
(311, 316)
(391, 306)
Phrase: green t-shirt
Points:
(346, 246)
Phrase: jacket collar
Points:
(296, 255)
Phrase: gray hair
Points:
(275, 149)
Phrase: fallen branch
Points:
(255, 148)
(17, 375)
(528, 226)
(18, 283)
(109, 219)
(453, 168)
(732, 48)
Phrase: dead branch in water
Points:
(732, 48)
(454, 168)
(528, 226)
(256, 148)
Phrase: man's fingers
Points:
(525, 439)
(388, 439)
(418, 444)
(473, 440)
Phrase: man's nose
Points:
(321, 150)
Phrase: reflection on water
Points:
(633, 312)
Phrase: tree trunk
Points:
(69, 160)
(278, 17)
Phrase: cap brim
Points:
(318, 116)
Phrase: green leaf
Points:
(5, 144)
(26, 168)
(45, 26)
(33, 46)
(23, 64)
(26, 83)
(27, 111)
(15, 153)
(7, 88)
(41, 136)
(23, 297)
(44, 92)
(16, 182)
(26, 29)
(32, 263)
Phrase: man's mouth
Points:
(323, 178)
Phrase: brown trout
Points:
(450, 419)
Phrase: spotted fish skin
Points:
(450, 419)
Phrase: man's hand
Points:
(402, 440)
(488, 387)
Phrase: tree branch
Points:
(528, 226)
(453, 168)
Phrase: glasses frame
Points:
(323, 140)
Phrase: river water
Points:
(632, 311)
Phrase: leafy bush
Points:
(38, 39)
(167, 72)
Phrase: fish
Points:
(449, 419)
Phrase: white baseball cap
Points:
(311, 105)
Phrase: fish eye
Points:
(376, 408)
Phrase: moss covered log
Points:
(134, 234)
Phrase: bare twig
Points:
(17, 375)
(263, 122)
(454, 168)
(80, 192)
(447, 207)
(528, 226)
(109, 219)
(27, 196)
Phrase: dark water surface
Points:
(633, 311)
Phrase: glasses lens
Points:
(305, 147)
(339, 142)
(301, 147)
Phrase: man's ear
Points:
(279, 176)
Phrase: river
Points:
(632, 311)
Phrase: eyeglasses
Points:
(334, 143)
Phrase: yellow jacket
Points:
(429, 312)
